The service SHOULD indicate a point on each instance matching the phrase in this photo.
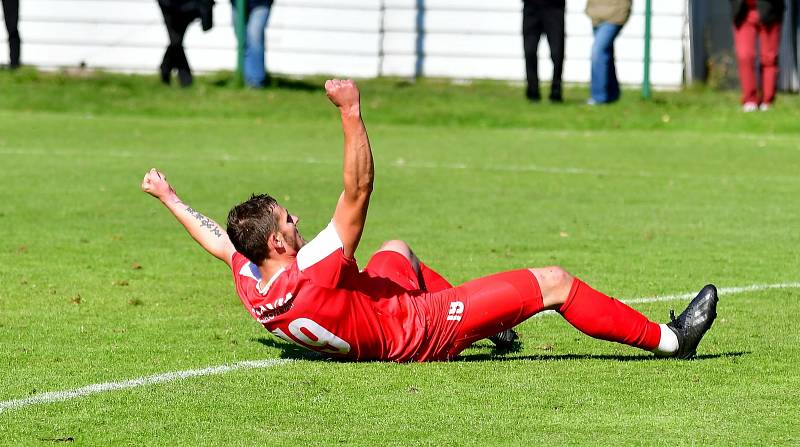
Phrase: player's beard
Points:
(294, 239)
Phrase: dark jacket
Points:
(560, 4)
(202, 9)
(769, 11)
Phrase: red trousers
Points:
(769, 38)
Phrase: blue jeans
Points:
(604, 85)
(255, 72)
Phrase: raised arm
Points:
(358, 170)
(204, 230)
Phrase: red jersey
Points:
(324, 303)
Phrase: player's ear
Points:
(275, 243)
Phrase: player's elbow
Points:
(359, 188)
(359, 196)
(365, 185)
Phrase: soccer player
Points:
(397, 308)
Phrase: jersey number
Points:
(320, 339)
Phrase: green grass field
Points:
(100, 284)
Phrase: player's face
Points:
(287, 223)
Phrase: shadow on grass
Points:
(292, 351)
(516, 346)
(294, 84)
(289, 350)
(227, 79)
(495, 356)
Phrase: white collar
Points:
(269, 283)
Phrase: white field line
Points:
(721, 292)
(566, 133)
(57, 396)
(399, 163)
(685, 296)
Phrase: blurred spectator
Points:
(256, 15)
(608, 18)
(543, 16)
(11, 15)
(178, 14)
(757, 20)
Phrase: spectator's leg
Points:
(597, 72)
(168, 62)
(602, 54)
(236, 26)
(11, 15)
(531, 32)
(180, 60)
(744, 39)
(770, 41)
(254, 69)
(613, 82)
(554, 29)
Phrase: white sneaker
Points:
(764, 107)
(749, 107)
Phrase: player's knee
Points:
(553, 277)
(769, 60)
(745, 56)
(396, 245)
(554, 284)
(399, 246)
(403, 249)
(561, 277)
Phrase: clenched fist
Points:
(155, 183)
(343, 94)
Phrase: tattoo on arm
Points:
(205, 222)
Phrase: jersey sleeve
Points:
(323, 261)
(238, 262)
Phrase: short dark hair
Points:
(250, 224)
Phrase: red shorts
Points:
(455, 318)
(394, 266)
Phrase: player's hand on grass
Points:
(155, 183)
(343, 94)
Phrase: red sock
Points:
(432, 281)
(600, 316)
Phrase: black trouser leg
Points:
(613, 82)
(531, 32)
(176, 42)
(181, 62)
(167, 62)
(11, 15)
(176, 22)
(553, 20)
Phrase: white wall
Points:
(462, 39)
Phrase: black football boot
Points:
(504, 340)
(694, 322)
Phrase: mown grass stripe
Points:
(398, 164)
